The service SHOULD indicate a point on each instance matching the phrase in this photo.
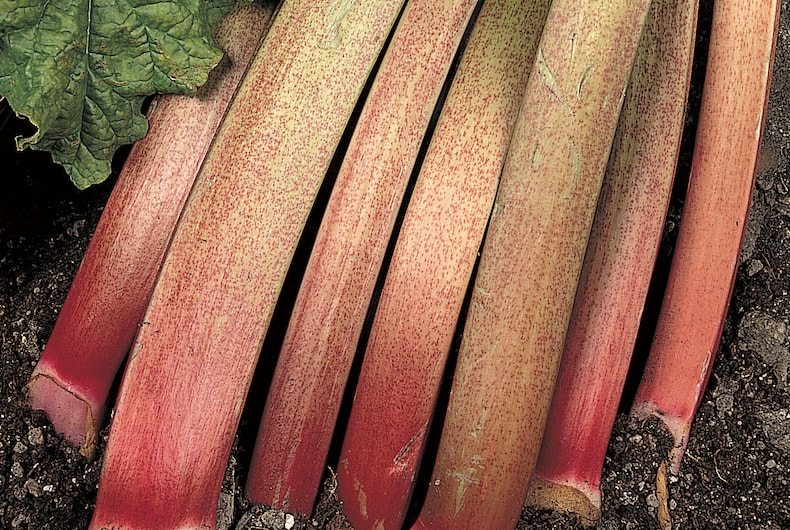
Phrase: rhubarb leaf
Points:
(80, 70)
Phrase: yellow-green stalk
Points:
(530, 264)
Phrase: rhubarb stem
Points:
(194, 355)
(330, 308)
(618, 264)
(105, 304)
(530, 264)
(428, 275)
(705, 261)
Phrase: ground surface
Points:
(736, 472)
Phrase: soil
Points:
(736, 471)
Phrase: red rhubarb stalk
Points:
(705, 261)
(530, 264)
(617, 266)
(95, 327)
(330, 308)
(194, 355)
(432, 264)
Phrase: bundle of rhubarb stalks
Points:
(381, 203)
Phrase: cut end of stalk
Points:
(678, 428)
(582, 500)
(69, 413)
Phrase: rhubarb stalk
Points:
(432, 263)
(618, 264)
(105, 304)
(330, 308)
(705, 261)
(195, 352)
(326, 323)
(530, 264)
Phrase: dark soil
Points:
(736, 471)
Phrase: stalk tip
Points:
(70, 414)
(584, 502)
(677, 425)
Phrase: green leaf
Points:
(79, 70)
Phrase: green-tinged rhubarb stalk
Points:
(617, 266)
(705, 261)
(99, 318)
(330, 308)
(530, 264)
(195, 352)
(432, 263)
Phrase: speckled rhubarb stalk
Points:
(705, 261)
(194, 355)
(617, 266)
(530, 264)
(99, 318)
(330, 308)
(432, 264)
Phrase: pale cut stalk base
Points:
(585, 503)
(679, 426)
(71, 414)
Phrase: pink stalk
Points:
(732, 114)
(326, 323)
(530, 265)
(105, 304)
(194, 355)
(618, 264)
(432, 264)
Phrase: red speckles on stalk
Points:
(335, 293)
(182, 393)
(705, 261)
(107, 299)
(618, 265)
(431, 265)
(530, 264)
